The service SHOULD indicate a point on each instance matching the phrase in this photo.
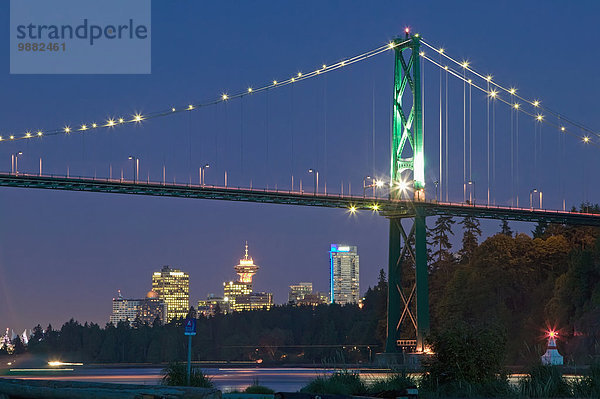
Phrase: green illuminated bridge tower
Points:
(407, 246)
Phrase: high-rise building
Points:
(298, 292)
(124, 309)
(239, 294)
(152, 308)
(254, 301)
(145, 310)
(344, 274)
(232, 290)
(213, 305)
(173, 287)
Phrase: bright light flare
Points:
(137, 117)
(121, 120)
(536, 103)
(352, 209)
(586, 139)
(110, 122)
(516, 105)
(225, 96)
(465, 64)
(512, 90)
(488, 78)
(379, 183)
(493, 93)
(67, 129)
(375, 207)
(539, 117)
(58, 363)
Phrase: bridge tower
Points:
(407, 174)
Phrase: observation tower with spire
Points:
(246, 269)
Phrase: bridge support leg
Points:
(411, 248)
(394, 280)
(421, 277)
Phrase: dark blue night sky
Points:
(64, 254)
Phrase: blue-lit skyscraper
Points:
(344, 274)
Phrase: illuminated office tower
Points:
(173, 287)
(298, 292)
(344, 274)
(232, 290)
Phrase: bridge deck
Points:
(392, 208)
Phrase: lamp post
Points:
(377, 184)
(471, 185)
(14, 162)
(315, 180)
(201, 173)
(535, 190)
(436, 183)
(136, 167)
(365, 185)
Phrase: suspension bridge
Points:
(406, 195)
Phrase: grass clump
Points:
(396, 382)
(544, 382)
(256, 388)
(175, 374)
(338, 383)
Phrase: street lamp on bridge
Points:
(136, 167)
(540, 197)
(201, 173)
(315, 179)
(14, 162)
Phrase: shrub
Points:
(467, 361)
(589, 385)
(175, 374)
(340, 383)
(544, 382)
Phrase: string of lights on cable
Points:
(138, 118)
(532, 108)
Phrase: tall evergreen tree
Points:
(472, 232)
(505, 229)
(440, 235)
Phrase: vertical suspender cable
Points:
(488, 141)
(440, 182)
(373, 133)
(325, 138)
(464, 138)
(517, 156)
(292, 133)
(494, 151)
(472, 186)
(242, 135)
(446, 138)
(267, 138)
(512, 155)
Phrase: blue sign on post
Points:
(190, 326)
